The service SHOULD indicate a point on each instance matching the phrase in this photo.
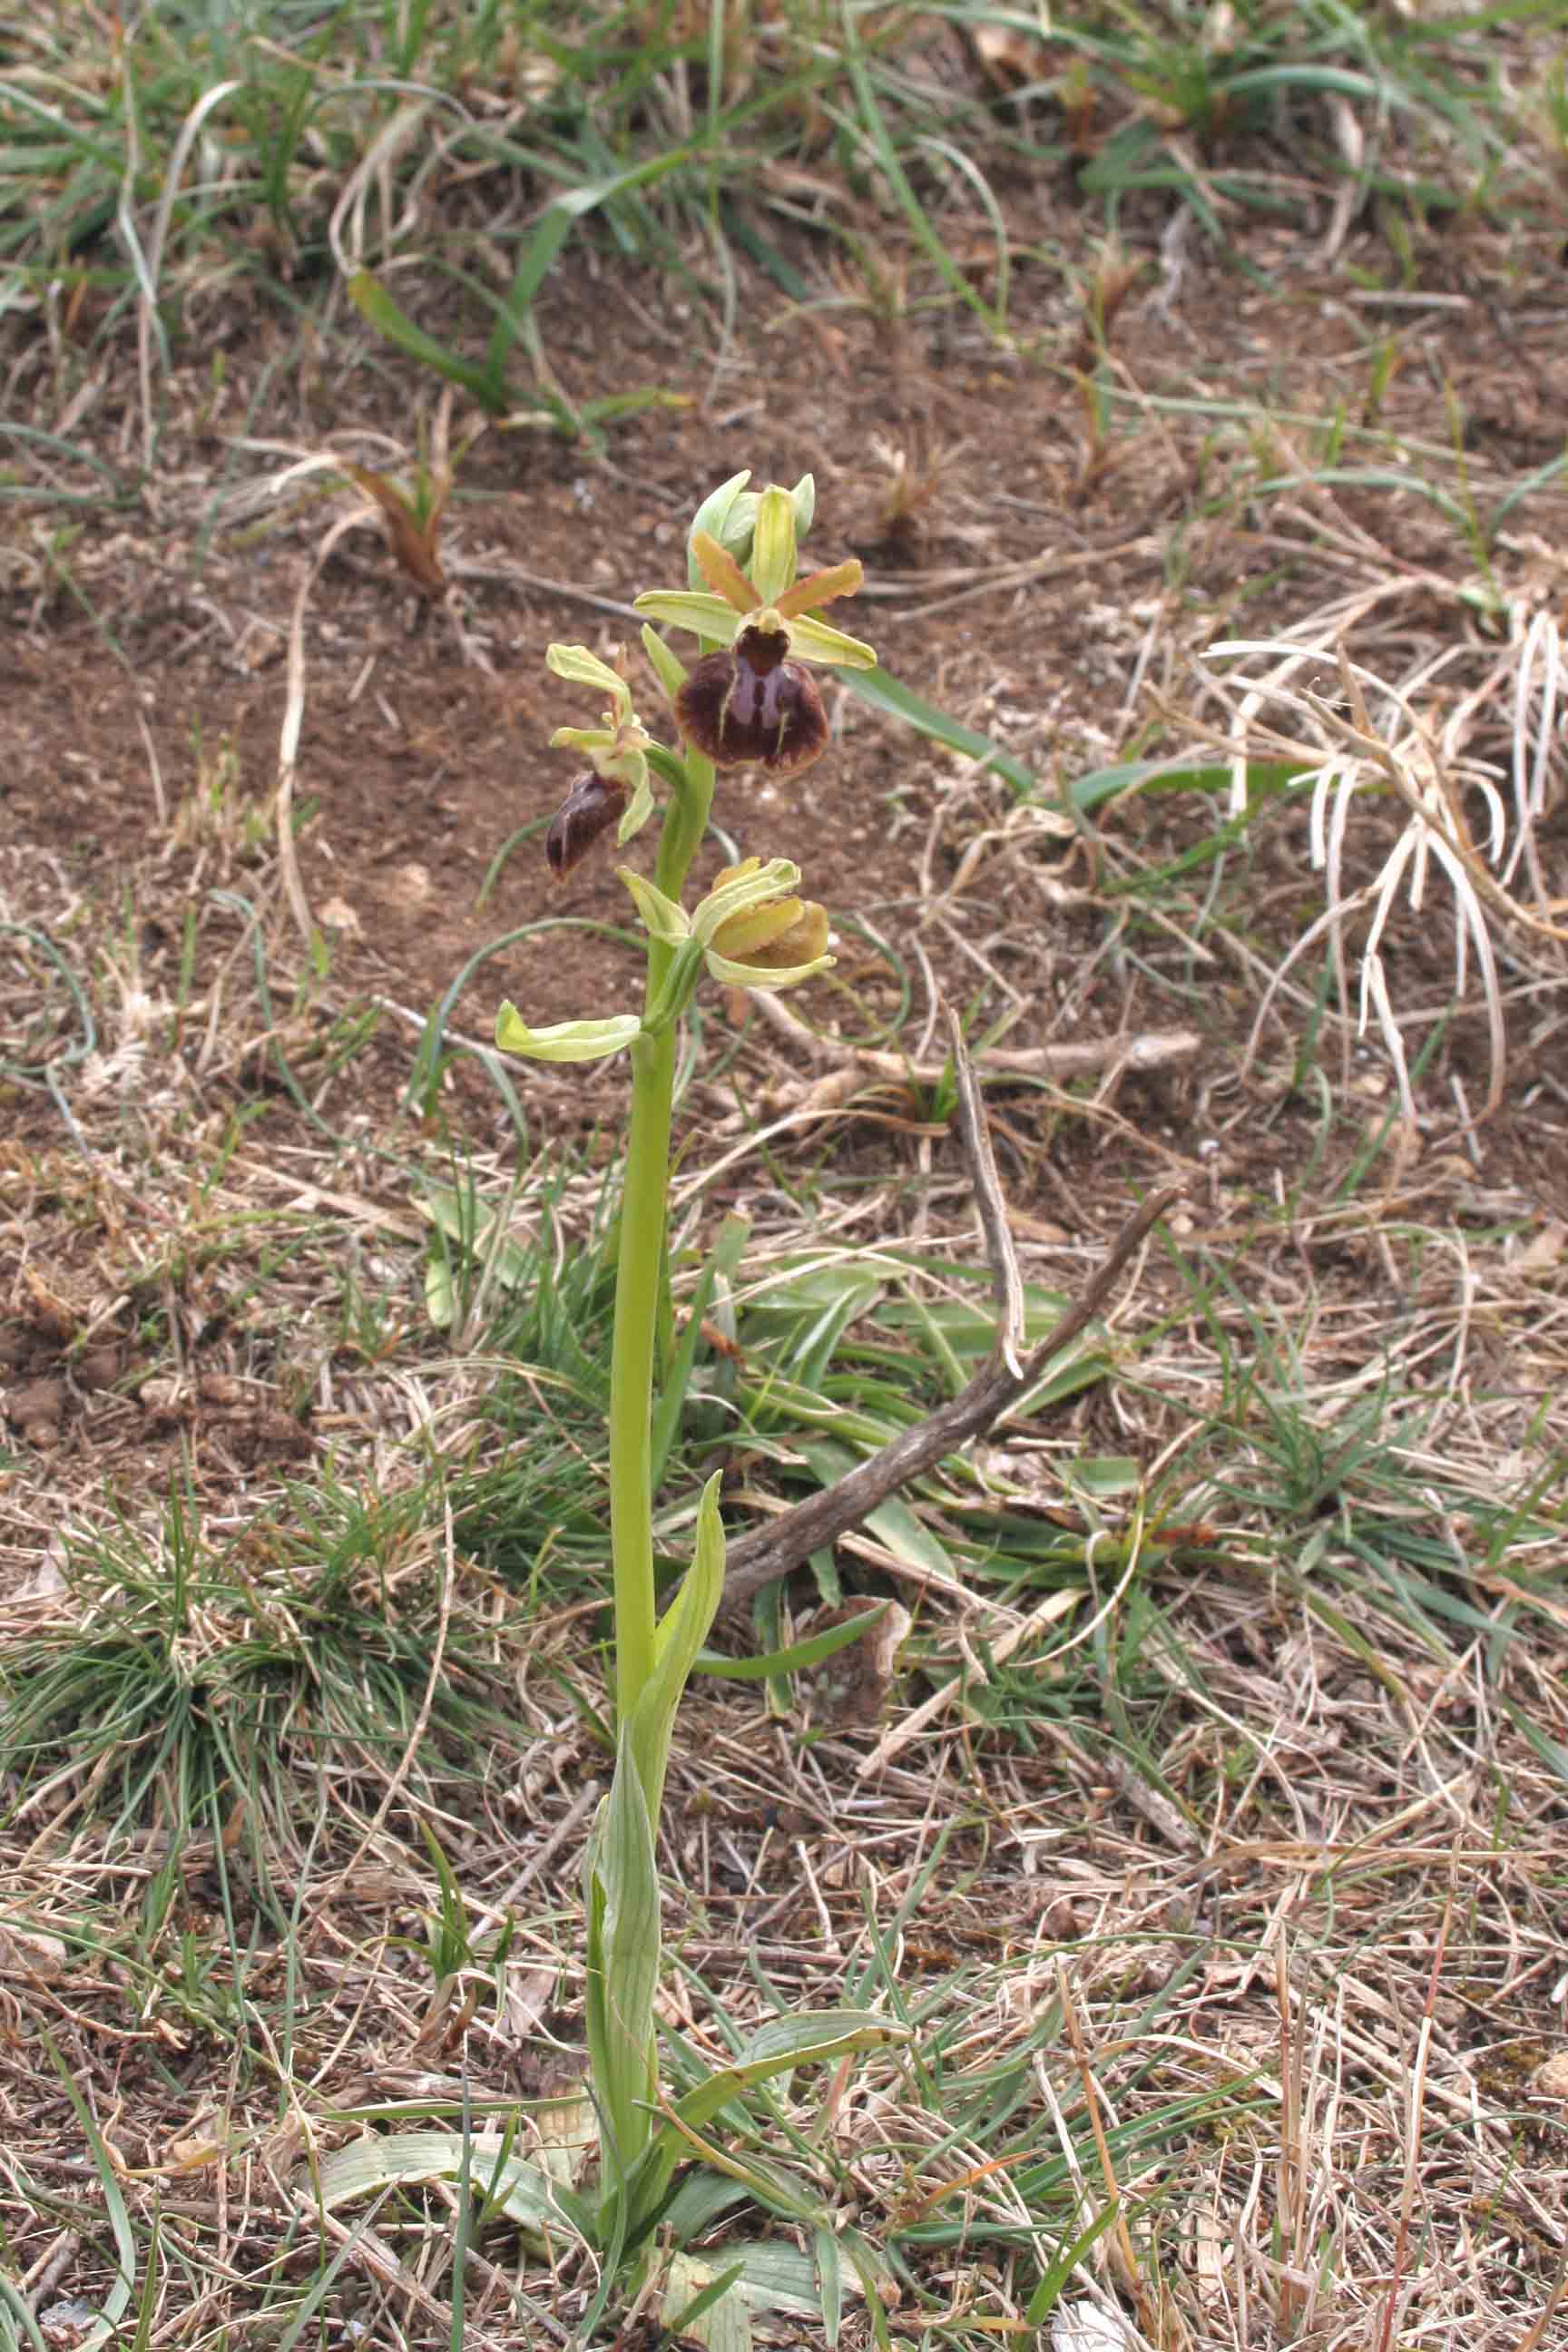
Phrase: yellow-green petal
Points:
(638, 809)
(739, 887)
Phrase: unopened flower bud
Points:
(592, 805)
(755, 933)
(801, 941)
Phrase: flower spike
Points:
(751, 703)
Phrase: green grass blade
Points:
(722, 1263)
(1042, 2303)
(899, 701)
(375, 305)
(897, 180)
(117, 2302)
(17, 2322)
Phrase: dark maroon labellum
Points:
(753, 705)
(592, 806)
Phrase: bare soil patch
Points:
(212, 1262)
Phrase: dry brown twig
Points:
(853, 1066)
(772, 1551)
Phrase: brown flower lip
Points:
(592, 806)
(752, 706)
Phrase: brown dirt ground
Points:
(151, 658)
(425, 748)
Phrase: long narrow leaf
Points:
(371, 299)
(812, 2037)
(512, 2185)
(117, 2301)
(679, 1637)
(621, 1883)
(796, 1658)
(722, 1265)
(899, 701)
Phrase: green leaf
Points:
(1552, 1752)
(621, 1885)
(678, 1637)
(555, 225)
(440, 1294)
(720, 1267)
(1104, 1477)
(812, 2037)
(898, 701)
(511, 1263)
(793, 1659)
(1266, 780)
(371, 299)
(829, 2283)
(15, 2315)
(897, 180)
(513, 2185)
(1067, 2260)
(893, 1523)
(778, 2277)
(705, 2300)
(970, 1328)
(322, 2286)
(117, 2300)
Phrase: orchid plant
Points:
(748, 701)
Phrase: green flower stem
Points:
(639, 1273)
(685, 823)
(644, 1186)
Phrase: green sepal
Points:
(772, 565)
(759, 976)
(705, 615)
(566, 1040)
(814, 641)
(749, 885)
(728, 514)
(585, 668)
(659, 915)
